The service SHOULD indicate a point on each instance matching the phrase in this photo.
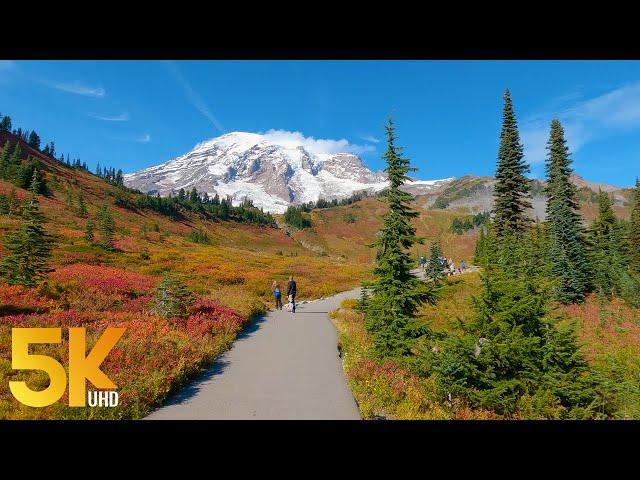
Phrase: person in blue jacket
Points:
(275, 288)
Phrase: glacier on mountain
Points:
(263, 168)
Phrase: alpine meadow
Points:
(471, 297)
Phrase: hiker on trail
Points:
(451, 266)
(291, 293)
(275, 289)
(422, 261)
(463, 267)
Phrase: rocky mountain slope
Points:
(275, 174)
(474, 194)
(248, 165)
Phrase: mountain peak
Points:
(239, 139)
(272, 169)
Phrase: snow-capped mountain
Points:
(274, 174)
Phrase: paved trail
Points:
(283, 366)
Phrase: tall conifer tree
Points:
(634, 235)
(569, 267)
(396, 293)
(603, 248)
(88, 232)
(511, 195)
(434, 269)
(82, 206)
(34, 140)
(5, 157)
(30, 246)
(107, 228)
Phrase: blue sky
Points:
(133, 114)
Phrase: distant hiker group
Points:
(291, 294)
(447, 264)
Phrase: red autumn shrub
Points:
(109, 280)
(16, 298)
(154, 356)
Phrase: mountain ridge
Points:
(274, 174)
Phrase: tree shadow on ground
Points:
(6, 310)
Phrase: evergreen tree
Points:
(30, 246)
(34, 140)
(12, 171)
(396, 294)
(5, 157)
(634, 234)
(24, 173)
(363, 301)
(569, 267)
(107, 228)
(13, 201)
(88, 231)
(603, 248)
(434, 269)
(198, 235)
(82, 206)
(480, 253)
(512, 187)
(193, 196)
(5, 124)
(512, 357)
(293, 216)
(173, 298)
(537, 254)
(4, 205)
(16, 156)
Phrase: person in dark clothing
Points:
(291, 293)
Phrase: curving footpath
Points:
(283, 366)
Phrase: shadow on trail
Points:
(252, 328)
(192, 387)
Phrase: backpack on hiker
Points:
(277, 293)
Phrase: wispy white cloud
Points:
(583, 120)
(78, 88)
(194, 97)
(144, 138)
(315, 145)
(369, 138)
(123, 117)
